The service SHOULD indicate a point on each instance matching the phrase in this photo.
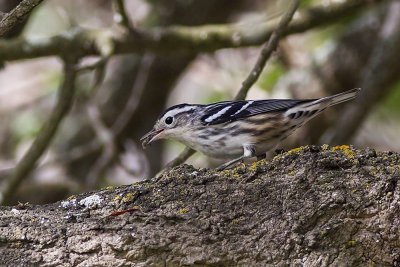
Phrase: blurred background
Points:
(358, 50)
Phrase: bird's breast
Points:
(214, 142)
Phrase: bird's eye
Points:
(169, 120)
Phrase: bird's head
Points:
(171, 124)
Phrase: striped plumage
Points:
(238, 129)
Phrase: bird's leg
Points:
(229, 163)
(248, 152)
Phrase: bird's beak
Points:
(150, 137)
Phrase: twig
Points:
(12, 19)
(137, 91)
(181, 158)
(95, 145)
(101, 63)
(131, 148)
(266, 52)
(109, 136)
(102, 131)
(120, 16)
(176, 39)
(46, 133)
(74, 154)
(103, 134)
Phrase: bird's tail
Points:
(338, 98)
(311, 108)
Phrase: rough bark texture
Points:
(313, 206)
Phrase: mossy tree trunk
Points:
(313, 206)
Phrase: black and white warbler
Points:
(238, 129)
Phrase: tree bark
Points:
(312, 206)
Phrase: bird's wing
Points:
(227, 111)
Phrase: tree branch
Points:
(12, 19)
(175, 38)
(46, 134)
(313, 206)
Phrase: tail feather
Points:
(308, 110)
(338, 98)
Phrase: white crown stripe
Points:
(173, 112)
(218, 114)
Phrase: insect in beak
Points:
(150, 137)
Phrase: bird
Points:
(235, 130)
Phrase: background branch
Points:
(17, 16)
(176, 38)
(109, 136)
(121, 15)
(46, 133)
(376, 81)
